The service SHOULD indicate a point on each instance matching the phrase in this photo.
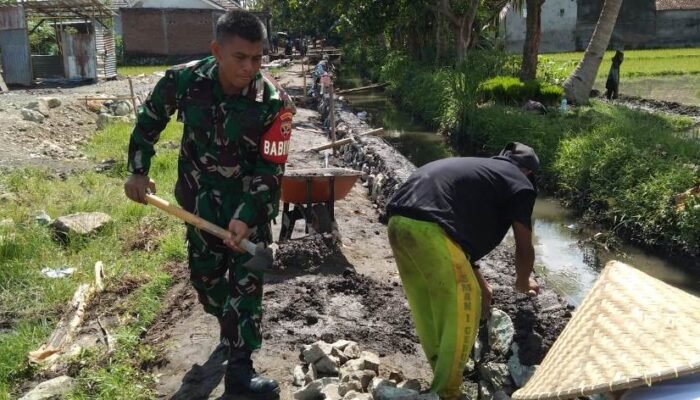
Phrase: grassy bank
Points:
(134, 70)
(617, 166)
(638, 63)
(32, 303)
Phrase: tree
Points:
(460, 15)
(531, 47)
(578, 85)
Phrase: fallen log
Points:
(341, 142)
(374, 86)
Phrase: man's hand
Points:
(136, 186)
(529, 286)
(486, 294)
(239, 231)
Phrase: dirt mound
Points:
(351, 306)
(307, 254)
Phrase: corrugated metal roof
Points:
(666, 5)
(228, 4)
(117, 4)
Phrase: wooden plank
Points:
(342, 142)
(374, 86)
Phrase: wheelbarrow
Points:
(313, 193)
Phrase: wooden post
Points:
(133, 98)
(332, 99)
(303, 72)
(3, 86)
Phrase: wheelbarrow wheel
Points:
(321, 219)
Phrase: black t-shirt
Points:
(475, 200)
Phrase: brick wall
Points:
(167, 32)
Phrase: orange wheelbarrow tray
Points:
(313, 193)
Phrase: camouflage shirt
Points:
(220, 142)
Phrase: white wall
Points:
(176, 4)
(558, 27)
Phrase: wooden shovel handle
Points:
(188, 217)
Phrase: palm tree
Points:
(578, 85)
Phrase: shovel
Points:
(262, 257)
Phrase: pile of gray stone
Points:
(115, 111)
(38, 110)
(342, 371)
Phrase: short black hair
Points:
(239, 23)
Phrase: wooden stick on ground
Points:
(66, 327)
(133, 98)
(374, 86)
(342, 142)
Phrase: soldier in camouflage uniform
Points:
(227, 107)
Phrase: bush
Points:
(511, 90)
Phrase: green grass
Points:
(32, 303)
(637, 63)
(133, 70)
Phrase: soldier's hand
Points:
(239, 231)
(136, 187)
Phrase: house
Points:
(173, 29)
(567, 25)
(83, 35)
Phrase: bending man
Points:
(444, 218)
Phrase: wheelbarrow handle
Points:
(196, 221)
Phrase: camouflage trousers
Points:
(235, 299)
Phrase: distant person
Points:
(612, 85)
(288, 48)
(275, 44)
(442, 220)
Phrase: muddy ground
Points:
(56, 142)
(347, 289)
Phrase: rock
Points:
(105, 119)
(357, 396)
(495, 374)
(52, 102)
(352, 366)
(371, 361)
(94, 105)
(121, 108)
(340, 355)
(32, 116)
(81, 223)
(478, 349)
(352, 351)
(40, 105)
(501, 331)
(51, 389)
(394, 393)
(485, 391)
(315, 351)
(377, 185)
(331, 392)
(327, 365)
(8, 197)
(350, 386)
(364, 377)
(314, 390)
(311, 374)
(412, 384)
(519, 372)
(341, 344)
(377, 383)
(390, 373)
(470, 366)
(299, 375)
(470, 389)
(42, 218)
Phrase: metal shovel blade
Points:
(261, 261)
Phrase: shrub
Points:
(511, 90)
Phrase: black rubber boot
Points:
(241, 378)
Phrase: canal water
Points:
(566, 257)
